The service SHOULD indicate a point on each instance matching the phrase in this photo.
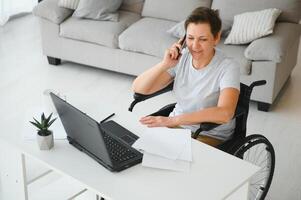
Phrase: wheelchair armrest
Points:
(207, 126)
(142, 97)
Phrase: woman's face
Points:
(200, 40)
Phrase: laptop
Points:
(108, 143)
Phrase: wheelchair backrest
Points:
(242, 109)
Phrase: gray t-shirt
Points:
(198, 89)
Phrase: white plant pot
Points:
(45, 142)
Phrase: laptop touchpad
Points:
(128, 139)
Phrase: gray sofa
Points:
(137, 41)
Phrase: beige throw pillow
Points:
(104, 10)
(71, 4)
(250, 26)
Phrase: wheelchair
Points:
(255, 148)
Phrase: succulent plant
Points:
(43, 125)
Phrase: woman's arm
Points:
(152, 80)
(222, 113)
(157, 77)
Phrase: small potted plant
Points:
(44, 136)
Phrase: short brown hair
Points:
(205, 15)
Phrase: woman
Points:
(206, 82)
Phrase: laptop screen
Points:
(82, 129)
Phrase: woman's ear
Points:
(217, 38)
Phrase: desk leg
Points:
(24, 179)
(12, 176)
(240, 194)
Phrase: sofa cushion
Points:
(49, 9)
(175, 10)
(100, 32)
(237, 53)
(148, 35)
(229, 8)
(132, 6)
(276, 46)
(178, 30)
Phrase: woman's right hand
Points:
(172, 55)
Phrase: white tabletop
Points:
(213, 174)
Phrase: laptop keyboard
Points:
(118, 152)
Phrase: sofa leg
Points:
(262, 106)
(53, 61)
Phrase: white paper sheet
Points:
(165, 142)
(186, 154)
(30, 131)
(154, 161)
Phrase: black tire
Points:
(244, 150)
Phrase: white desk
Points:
(214, 175)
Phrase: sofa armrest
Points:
(275, 46)
(49, 9)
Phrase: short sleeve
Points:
(231, 76)
(172, 71)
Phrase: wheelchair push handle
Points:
(257, 83)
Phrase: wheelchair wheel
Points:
(257, 150)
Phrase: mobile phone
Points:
(183, 45)
(183, 42)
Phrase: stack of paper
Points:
(166, 148)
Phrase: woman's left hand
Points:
(158, 121)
